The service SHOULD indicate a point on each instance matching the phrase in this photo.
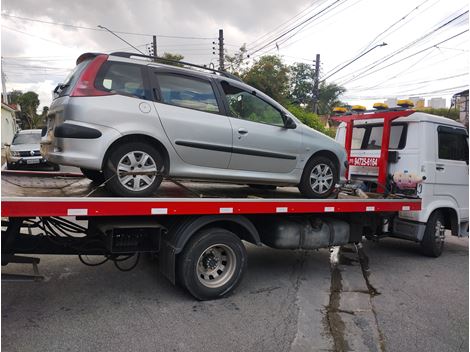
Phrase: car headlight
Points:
(15, 153)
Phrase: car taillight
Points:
(85, 87)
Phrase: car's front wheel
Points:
(133, 170)
(319, 178)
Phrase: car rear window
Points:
(72, 78)
(187, 92)
(370, 137)
(122, 78)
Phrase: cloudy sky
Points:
(426, 53)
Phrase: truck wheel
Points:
(432, 244)
(319, 178)
(93, 175)
(129, 158)
(212, 263)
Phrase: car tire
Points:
(263, 187)
(319, 178)
(95, 176)
(133, 157)
(432, 244)
(212, 263)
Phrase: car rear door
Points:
(451, 167)
(193, 118)
(261, 142)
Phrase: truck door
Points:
(451, 167)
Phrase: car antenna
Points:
(125, 41)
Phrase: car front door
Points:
(261, 142)
(451, 168)
(193, 120)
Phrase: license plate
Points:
(32, 161)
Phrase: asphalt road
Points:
(287, 301)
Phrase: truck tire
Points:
(133, 157)
(432, 243)
(212, 263)
(319, 178)
(93, 175)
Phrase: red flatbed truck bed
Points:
(195, 229)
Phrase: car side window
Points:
(452, 146)
(247, 106)
(123, 78)
(187, 92)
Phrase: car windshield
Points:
(27, 138)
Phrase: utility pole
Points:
(154, 47)
(221, 50)
(4, 88)
(316, 81)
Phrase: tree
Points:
(173, 57)
(301, 83)
(270, 76)
(29, 103)
(234, 62)
(14, 96)
(329, 94)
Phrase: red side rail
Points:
(32, 207)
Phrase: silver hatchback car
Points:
(130, 122)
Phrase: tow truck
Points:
(196, 229)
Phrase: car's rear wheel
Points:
(134, 170)
(94, 175)
(319, 178)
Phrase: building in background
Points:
(9, 125)
(460, 101)
(437, 103)
(391, 102)
(418, 102)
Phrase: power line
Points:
(295, 27)
(101, 30)
(405, 58)
(35, 36)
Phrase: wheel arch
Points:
(326, 153)
(140, 138)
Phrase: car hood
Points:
(24, 147)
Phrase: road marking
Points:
(159, 211)
(72, 212)
(329, 209)
(226, 210)
(370, 208)
(281, 210)
(405, 207)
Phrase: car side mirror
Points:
(290, 124)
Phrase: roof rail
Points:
(222, 73)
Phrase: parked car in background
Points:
(133, 121)
(24, 151)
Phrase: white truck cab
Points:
(431, 148)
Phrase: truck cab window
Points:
(452, 146)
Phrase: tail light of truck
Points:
(85, 86)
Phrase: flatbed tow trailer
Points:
(195, 229)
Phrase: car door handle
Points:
(242, 131)
(439, 167)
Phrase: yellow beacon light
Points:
(380, 106)
(358, 108)
(405, 103)
(339, 110)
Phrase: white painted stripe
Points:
(405, 207)
(226, 210)
(159, 211)
(73, 212)
(370, 208)
(281, 210)
(329, 209)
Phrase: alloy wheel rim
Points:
(321, 178)
(216, 266)
(137, 171)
